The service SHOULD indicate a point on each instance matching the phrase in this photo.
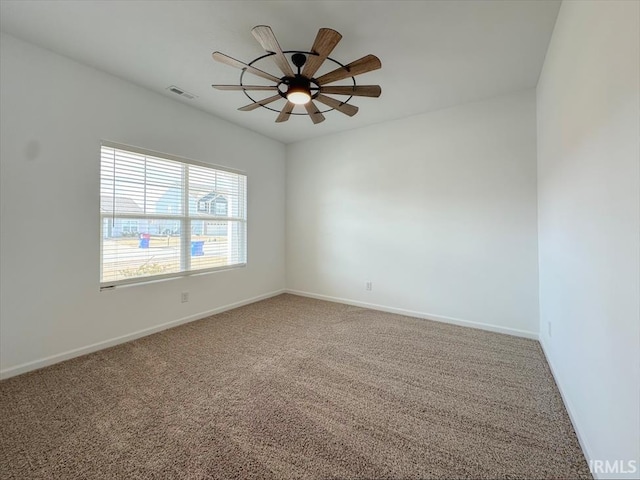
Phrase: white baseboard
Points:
(427, 316)
(567, 403)
(76, 352)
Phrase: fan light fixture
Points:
(299, 91)
(298, 96)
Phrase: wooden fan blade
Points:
(266, 101)
(267, 39)
(245, 87)
(358, 67)
(345, 108)
(357, 91)
(325, 42)
(285, 113)
(227, 60)
(314, 113)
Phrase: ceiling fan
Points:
(301, 87)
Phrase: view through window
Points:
(163, 216)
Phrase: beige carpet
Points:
(294, 388)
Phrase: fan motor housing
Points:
(297, 83)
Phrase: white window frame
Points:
(184, 219)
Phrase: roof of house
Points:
(211, 196)
(123, 205)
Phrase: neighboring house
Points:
(121, 227)
(169, 203)
(211, 203)
(214, 204)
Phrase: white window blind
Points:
(163, 216)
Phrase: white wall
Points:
(54, 114)
(589, 221)
(438, 211)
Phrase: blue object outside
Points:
(145, 238)
(197, 248)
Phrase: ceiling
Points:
(434, 54)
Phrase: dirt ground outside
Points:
(123, 258)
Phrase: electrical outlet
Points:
(549, 328)
(184, 297)
(368, 286)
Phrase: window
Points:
(162, 216)
(130, 226)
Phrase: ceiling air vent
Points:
(181, 92)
